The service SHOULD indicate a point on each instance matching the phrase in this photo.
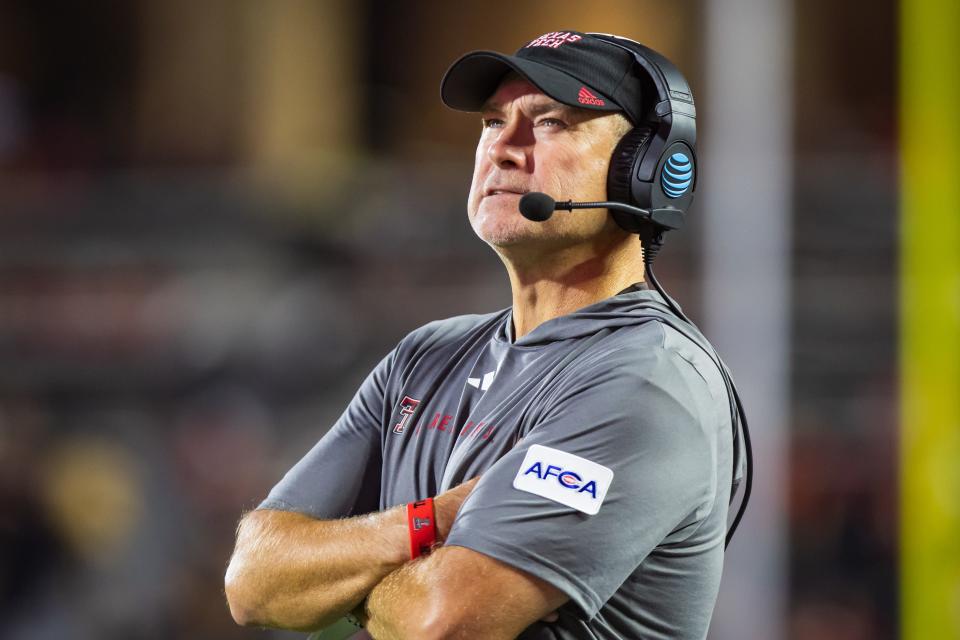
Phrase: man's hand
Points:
(445, 507)
(439, 594)
(450, 501)
(447, 504)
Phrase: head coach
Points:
(558, 469)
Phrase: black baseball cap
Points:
(571, 67)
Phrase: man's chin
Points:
(520, 243)
(507, 230)
(511, 232)
(512, 242)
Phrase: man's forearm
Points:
(387, 614)
(291, 571)
(294, 572)
(447, 596)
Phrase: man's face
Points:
(530, 142)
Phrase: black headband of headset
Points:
(673, 92)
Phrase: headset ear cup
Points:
(631, 147)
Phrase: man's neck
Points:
(569, 282)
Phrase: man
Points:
(578, 449)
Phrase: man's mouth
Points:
(503, 192)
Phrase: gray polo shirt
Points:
(604, 445)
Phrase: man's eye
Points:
(492, 122)
(551, 122)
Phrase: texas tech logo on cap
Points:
(554, 39)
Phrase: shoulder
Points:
(634, 352)
(648, 368)
(654, 350)
(451, 329)
(447, 331)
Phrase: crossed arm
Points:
(291, 571)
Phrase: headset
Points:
(654, 166)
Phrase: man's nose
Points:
(512, 146)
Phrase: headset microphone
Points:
(539, 207)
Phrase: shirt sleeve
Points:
(640, 418)
(340, 475)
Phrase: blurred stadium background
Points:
(216, 216)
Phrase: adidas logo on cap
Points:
(585, 97)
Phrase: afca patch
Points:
(564, 478)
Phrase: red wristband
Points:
(422, 525)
